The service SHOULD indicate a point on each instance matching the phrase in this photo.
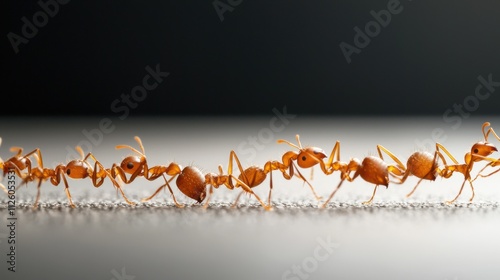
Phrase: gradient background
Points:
(227, 79)
(264, 54)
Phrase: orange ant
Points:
(372, 169)
(308, 157)
(479, 151)
(193, 183)
(135, 165)
(75, 169)
(18, 163)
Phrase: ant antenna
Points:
(280, 141)
(138, 140)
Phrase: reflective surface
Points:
(394, 238)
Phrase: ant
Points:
(308, 157)
(479, 151)
(75, 169)
(18, 163)
(137, 165)
(372, 169)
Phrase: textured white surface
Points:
(394, 238)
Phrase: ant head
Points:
(482, 149)
(130, 164)
(310, 156)
(307, 157)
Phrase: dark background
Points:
(263, 55)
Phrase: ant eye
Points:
(304, 158)
(130, 165)
(476, 150)
(68, 171)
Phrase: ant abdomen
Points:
(420, 164)
(374, 170)
(191, 182)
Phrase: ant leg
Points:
(400, 166)
(492, 164)
(3, 188)
(162, 187)
(235, 203)
(371, 198)
(120, 189)
(335, 154)
(318, 198)
(460, 192)
(270, 188)
(210, 193)
(17, 150)
(154, 194)
(414, 188)
(473, 193)
(291, 165)
(243, 185)
(172, 193)
(247, 189)
(98, 165)
(66, 187)
(441, 147)
(496, 171)
(35, 205)
(332, 194)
